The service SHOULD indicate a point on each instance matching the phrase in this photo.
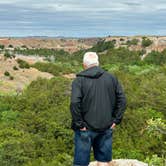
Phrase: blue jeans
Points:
(101, 142)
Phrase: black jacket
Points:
(97, 100)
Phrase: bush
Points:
(15, 68)
(24, 46)
(132, 42)
(23, 64)
(146, 42)
(35, 125)
(6, 73)
(120, 55)
(155, 160)
(102, 46)
(17, 148)
(54, 68)
(10, 46)
(2, 46)
(7, 55)
(158, 58)
(11, 78)
(41, 52)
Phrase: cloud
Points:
(81, 18)
(88, 5)
(9, 1)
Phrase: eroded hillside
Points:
(70, 45)
(13, 78)
(73, 45)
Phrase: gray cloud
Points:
(82, 18)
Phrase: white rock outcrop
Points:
(123, 162)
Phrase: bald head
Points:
(90, 59)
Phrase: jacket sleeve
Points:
(75, 104)
(120, 105)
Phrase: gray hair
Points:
(90, 58)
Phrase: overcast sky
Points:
(82, 18)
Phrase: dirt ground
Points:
(22, 77)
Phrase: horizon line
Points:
(44, 36)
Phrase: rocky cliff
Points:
(158, 42)
(75, 44)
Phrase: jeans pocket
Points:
(109, 131)
(84, 134)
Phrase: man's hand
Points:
(83, 129)
(113, 126)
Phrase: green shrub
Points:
(120, 55)
(102, 46)
(23, 64)
(15, 68)
(7, 54)
(16, 149)
(155, 160)
(35, 125)
(6, 73)
(41, 52)
(146, 42)
(2, 46)
(132, 42)
(24, 46)
(158, 58)
(11, 78)
(54, 68)
(10, 46)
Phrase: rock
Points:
(123, 162)
(70, 76)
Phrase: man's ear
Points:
(84, 66)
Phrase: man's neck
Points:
(87, 67)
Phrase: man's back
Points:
(101, 98)
(97, 105)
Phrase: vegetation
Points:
(15, 68)
(23, 64)
(158, 58)
(10, 46)
(6, 73)
(55, 68)
(2, 46)
(146, 42)
(7, 54)
(11, 78)
(102, 46)
(35, 125)
(132, 42)
(41, 51)
(157, 127)
(24, 46)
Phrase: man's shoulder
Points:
(77, 80)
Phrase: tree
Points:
(2, 46)
(132, 42)
(146, 42)
(6, 73)
(102, 46)
(10, 46)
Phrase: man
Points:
(97, 106)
